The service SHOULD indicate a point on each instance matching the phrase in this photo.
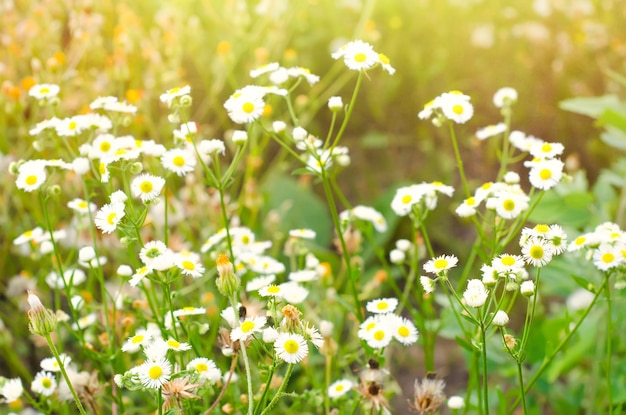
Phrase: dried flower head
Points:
(176, 390)
(428, 395)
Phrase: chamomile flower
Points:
(156, 255)
(81, 206)
(504, 97)
(385, 63)
(441, 264)
(456, 107)
(607, 257)
(31, 235)
(467, 208)
(404, 200)
(475, 295)
(490, 131)
(31, 176)
(109, 216)
(379, 336)
(357, 55)
(44, 91)
(293, 293)
(537, 251)
(174, 94)
(206, 368)
(247, 328)
(546, 174)
(153, 374)
(339, 388)
(189, 265)
(245, 105)
(404, 330)
(305, 275)
(11, 390)
(45, 383)
(382, 305)
(260, 282)
(147, 187)
(173, 344)
(302, 233)
(291, 347)
(428, 284)
(51, 364)
(212, 147)
(506, 263)
(134, 343)
(189, 311)
(139, 275)
(508, 205)
(271, 290)
(179, 161)
(544, 150)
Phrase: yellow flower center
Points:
(470, 201)
(545, 174)
(111, 218)
(173, 90)
(508, 261)
(379, 335)
(382, 306)
(536, 252)
(458, 109)
(202, 367)
(546, 148)
(542, 228)
(188, 309)
(155, 372)
(137, 339)
(486, 186)
(178, 161)
(173, 343)
(248, 107)
(146, 187)
(370, 326)
(247, 326)
(44, 90)
(383, 59)
(441, 263)
(273, 289)
(360, 57)
(82, 204)
(580, 240)
(339, 388)
(72, 125)
(508, 204)
(188, 265)
(404, 331)
(406, 199)
(291, 346)
(46, 383)
(31, 180)
(608, 258)
(245, 239)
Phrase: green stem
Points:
(64, 373)
(483, 350)
(521, 386)
(344, 124)
(327, 377)
(270, 376)
(280, 390)
(556, 351)
(530, 316)
(459, 161)
(609, 336)
(246, 362)
(160, 401)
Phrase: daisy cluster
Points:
(605, 246)
(419, 197)
(452, 106)
(361, 56)
(379, 329)
(506, 198)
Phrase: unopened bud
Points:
(136, 168)
(42, 321)
(227, 281)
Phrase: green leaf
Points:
(612, 118)
(571, 210)
(614, 137)
(592, 107)
(297, 205)
(464, 344)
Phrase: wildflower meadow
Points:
(318, 207)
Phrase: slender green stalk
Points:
(327, 377)
(160, 401)
(548, 360)
(609, 337)
(521, 386)
(505, 144)
(280, 390)
(268, 382)
(55, 352)
(459, 160)
(483, 350)
(246, 362)
(530, 315)
(165, 215)
(344, 124)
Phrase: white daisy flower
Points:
(153, 374)
(455, 107)
(139, 275)
(147, 187)
(508, 205)
(506, 263)
(212, 147)
(293, 292)
(357, 55)
(133, 344)
(245, 105)
(174, 93)
(339, 388)
(29, 236)
(189, 265)
(546, 174)
(382, 305)
(397, 256)
(467, 208)
(44, 91)
(379, 336)
(291, 347)
(81, 206)
(441, 263)
(51, 364)
(179, 161)
(475, 295)
(302, 233)
(304, 275)
(404, 200)
(31, 175)
(173, 344)
(260, 282)
(263, 69)
(186, 132)
(109, 216)
(404, 330)
(206, 368)
(546, 150)
(12, 389)
(271, 290)
(428, 284)
(247, 328)
(156, 255)
(385, 63)
(368, 325)
(504, 96)
(490, 131)
(608, 256)
(537, 252)
(104, 145)
(45, 383)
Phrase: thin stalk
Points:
(160, 401)
(280, 390)
(327, 377)
(233, 363)
(246, 362)
(344, 124)
(556, 351)
(270, 376)
(483, 350)
(459, 160)
(609, 336)
(55, 352)
(521, 386)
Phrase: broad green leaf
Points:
(614, 137)
(592, 107)
(612, 118)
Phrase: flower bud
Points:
(239, 137)
(397, 256)
(335, 104)
(42, 321)
(86, 254)
(136, 168)
(527, 288)
(227, 281)
(185, 101)
(500, 319)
